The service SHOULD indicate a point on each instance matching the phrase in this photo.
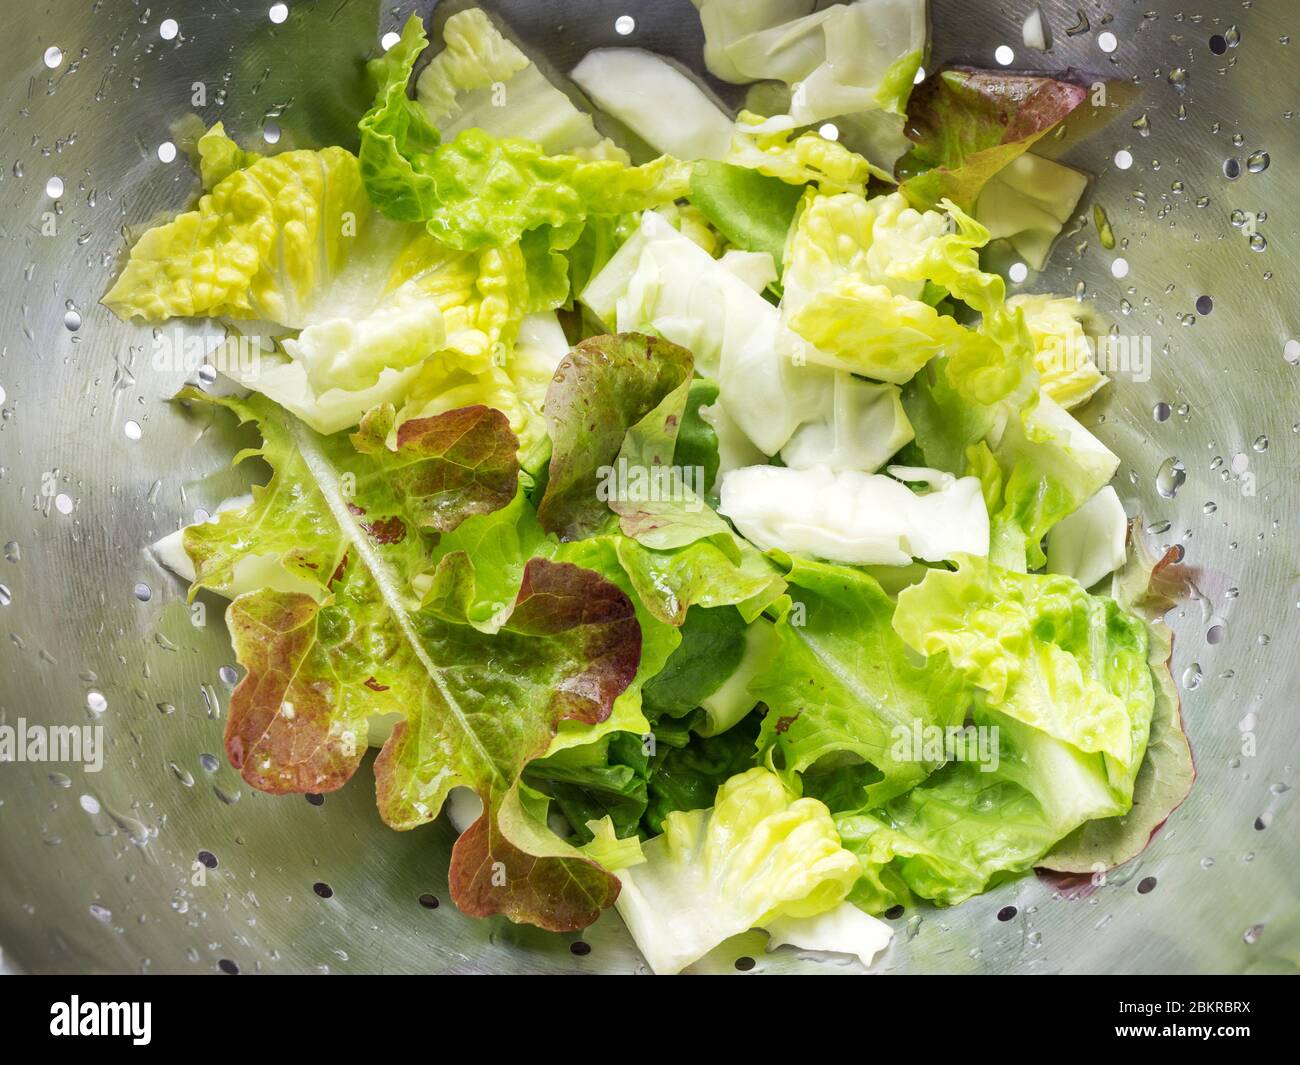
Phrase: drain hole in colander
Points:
(1006, 913)
(1204, 304)
(323, 889)
(1218, 44)
(228, 967)
(579, 948)
(1232, 169)
(1146, 885)
(894, 912)
(745, 964)
(315, 799)
(429, 902)
(1262, 822)
(208, 858)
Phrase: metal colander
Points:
(165, 861)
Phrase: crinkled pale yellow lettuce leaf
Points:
(758, 854)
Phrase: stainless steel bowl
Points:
(101, 871)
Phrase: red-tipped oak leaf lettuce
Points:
(968, 124)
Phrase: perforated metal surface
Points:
(98, 870)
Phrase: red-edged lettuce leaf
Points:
(476, 707)
(1148, 588)
(445, 469)
(968, 124)
(608, 392)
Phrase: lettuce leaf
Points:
(853, 517)
(443, 471)
(1028, 202)
(661, 104)
(757, 855)
(1044, 652)
(772, 148)
(839, 60)
(1062, 351)
(843, 683)
(662, 282)
(317, 671)
(750, 209)
(475, 189)
(1147, 587)
(481, 80)
(969, 124)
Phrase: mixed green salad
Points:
(675, 496)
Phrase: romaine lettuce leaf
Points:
(843, 683)
(771, 147)
(481, 80)
(1062, 352)
(757, 855)
(475, 189)
(1148, 588)
(661, 281)
(969, 124)
(1044, 652)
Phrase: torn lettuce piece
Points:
(1028, 202)
(1092, 542)
(757, 855)
(752, 210)
(843, 687)
(1063, 352)
(442, 471)
(970, 124)
(613, 411)
(770, 147)
(219, 156)
(865, 427)
(1147, 587)
(727, 21)
(1045, 653)
(843, 930)
(662, 282)
(883, 241)
(842, 59)
(660, 103)
(856, 517)
(481, 80)
(475, 189)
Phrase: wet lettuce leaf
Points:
(843, 682)
(968, 124)
(318, 668)
(476, 189)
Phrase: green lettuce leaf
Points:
(1148, 588)
(839, 60)
(481, 80)
(750, 209)
(843, 683)
(757, 855)
(318, 670)
(969, 124)
(443, 471)
(1044, 653)
(475, 189)
(1028, 203)
(772, 148)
